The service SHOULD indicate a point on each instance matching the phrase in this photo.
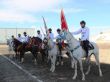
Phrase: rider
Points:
(39, 35)
(84, 36)
(12, 37)
(59, 41)
(19, 37)
(60, 37)
(25, 39)
(51, 35)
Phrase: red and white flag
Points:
(64, 25)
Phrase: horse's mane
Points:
(38, 39)
(72, 36)
(16, 42)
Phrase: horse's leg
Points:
(72, 59)
(35, 60)
(51, 62)
(43, 55)
(54, 61)
(72, 63)
(16, 54)
(58, 60)
(75, 74)
(61, 57)
(34, 52)
(22, 57)
(98, 63)
(81, 68)
(89, 67)
(35, 57)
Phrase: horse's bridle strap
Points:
(75, 48)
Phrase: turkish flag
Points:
(64, 25)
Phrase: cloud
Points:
(22, 10)
(32, 5)
(69, 10)
(8, 16)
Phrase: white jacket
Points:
(39, 36)
(26, 38)
(84, 33)
(20, 39)
(51, 35)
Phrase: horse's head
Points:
(35, 41)
(45, 40)
(69, 36)
(31, 41)
(16, 42)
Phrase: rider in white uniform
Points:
(39, 35)
(51, 35)
(25, 38)
(84, 35)
(19, 37)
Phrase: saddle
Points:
(90, 46)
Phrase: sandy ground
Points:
(104, 50)
(62, 73)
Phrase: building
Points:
(6, 33)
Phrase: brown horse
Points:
(17, 47)
(34, 46)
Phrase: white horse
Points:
(52, 53)
(10, 45)
(77, 53)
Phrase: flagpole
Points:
(42, 31)
(45, 26)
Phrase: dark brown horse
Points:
(17, 47)
(34, 46)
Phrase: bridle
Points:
(71, 43)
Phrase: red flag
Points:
(64, 25)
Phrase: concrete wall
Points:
(6, 33)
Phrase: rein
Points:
(75, 47)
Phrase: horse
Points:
(45, 48)
(10, 45)
(77, 53)
(34, 46)
(53, 51)
(17, 47)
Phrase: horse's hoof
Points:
(57, 63)
(83, 79)
(72, 67)
(52, 71)
(22, 60)
(61, 63)
(101, 75)
(35, 63)
(86, 73)
(74, 78)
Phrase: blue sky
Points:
(28, 13)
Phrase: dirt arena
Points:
(62, 73)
